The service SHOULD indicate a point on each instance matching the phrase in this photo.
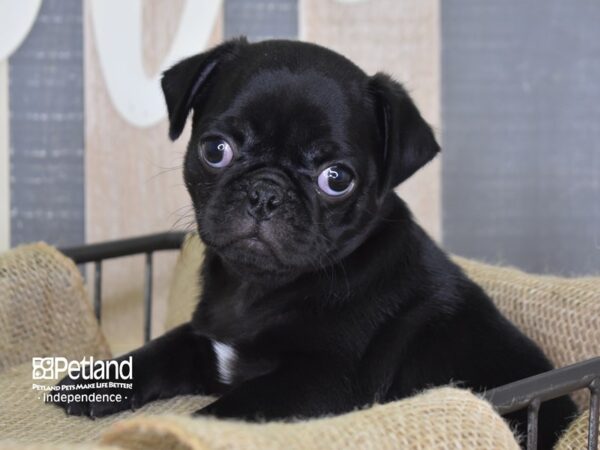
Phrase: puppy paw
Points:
(95, 397)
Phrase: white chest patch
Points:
(225, 360)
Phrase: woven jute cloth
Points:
(442, 418)
(25, 418)
(16, 445)
(186, 284)
(562, 315)
(44, 309)
(576, 436)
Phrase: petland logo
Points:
(87, 369)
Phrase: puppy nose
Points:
(264, 197)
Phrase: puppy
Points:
(321, 294)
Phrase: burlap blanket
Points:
(44, 311)
(43, 308)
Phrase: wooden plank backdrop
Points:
(401, 37)
(133, 180)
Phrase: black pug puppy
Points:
(321, 294)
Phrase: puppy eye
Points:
(216, 152)
(336, 180)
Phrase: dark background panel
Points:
(47, 129)
(261, 19)
(521, 133)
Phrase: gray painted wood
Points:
(521, 133)
(47, 128)
(261, 19)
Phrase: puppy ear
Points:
(186, 79)
(409, 140)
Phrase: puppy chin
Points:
(252, 257)
(254, 250)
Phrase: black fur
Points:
(330, 304)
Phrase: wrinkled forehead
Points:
(300, 103)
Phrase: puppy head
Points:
(293, 149)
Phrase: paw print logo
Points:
(42, 368)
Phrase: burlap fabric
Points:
(24, 418)
(16, 445)
(185, 285)
(576, 435)
(45, 311)
(561, 314)
(41, 308)
(440, 418)
(443, 418)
